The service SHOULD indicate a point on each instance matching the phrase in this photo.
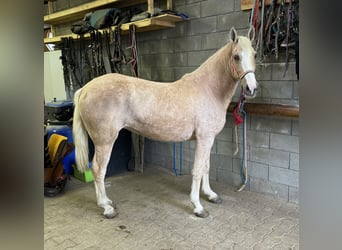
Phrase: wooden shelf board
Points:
(153, 23)
(148, 24)
(268, 109)
(78, 12)
(248, 4)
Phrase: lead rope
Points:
(175, 158)
(240, 116)
(244, 174)
(260, 44)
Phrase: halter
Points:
(236, 72)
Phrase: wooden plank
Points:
(168, 18)
(50, 10)
(169, 4)
(150, 6)
(268, 109)
(248, 4)
(158, 24)
(57, 39)
(139, 24)
(78, 12)
(165, 20)
(147, 24)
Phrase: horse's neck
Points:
(214, 76)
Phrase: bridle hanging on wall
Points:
(279, 31)
(134, 52)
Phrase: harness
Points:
(84, 63)
(119, 57)
(254, 17)
(236, 74)
(276, 30)
(133, 46)
(107, 35)
(96, 52)
(69, 62)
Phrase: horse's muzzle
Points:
(250, 93)
(250, 85)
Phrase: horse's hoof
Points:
(203, 214)
(216, 200)
(111, 215)
(109, 212)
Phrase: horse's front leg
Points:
(212, 196)
(100, 161)
(202, 153)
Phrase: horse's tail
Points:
(80, 137)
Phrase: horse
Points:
(191, 108)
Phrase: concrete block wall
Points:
(273, 147)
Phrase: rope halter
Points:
(235, 72)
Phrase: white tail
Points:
(80, 136)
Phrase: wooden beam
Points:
(169, 4)
(248, 4)
(50, 10)
(78, 12)
(268, 109)
(147, 24)
(150, 6)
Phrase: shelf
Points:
(78, 12)
(248, 4)
(268, 109)
(148, 24)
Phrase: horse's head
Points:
(242, 61)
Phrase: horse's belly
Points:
(170, 131)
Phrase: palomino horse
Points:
(191, 108)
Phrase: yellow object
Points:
(53, 143)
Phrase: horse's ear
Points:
(233, 35)
(251, 33)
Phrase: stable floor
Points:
(155, 213)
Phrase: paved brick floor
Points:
(155, 213)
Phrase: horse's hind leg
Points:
(212, 196)
(100, 161)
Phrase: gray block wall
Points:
(273, 142)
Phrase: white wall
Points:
(53, 77)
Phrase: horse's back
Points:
(161, 111)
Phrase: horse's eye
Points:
(255, 56)
(236, 57)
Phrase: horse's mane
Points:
(214, 57)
